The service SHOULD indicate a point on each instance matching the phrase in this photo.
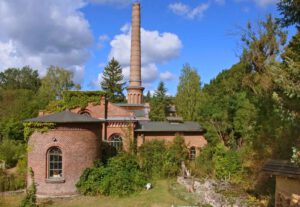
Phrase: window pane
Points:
(55, 163)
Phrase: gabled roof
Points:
(164, 126)
(65, 117)
(282, 167)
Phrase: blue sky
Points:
(83, 34)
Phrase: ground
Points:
(159, 196)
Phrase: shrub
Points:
(11, 151)
(159, 160)
(152, 155)
(121, 176)
(227, 163)
(203, 165)
(176, 153)
(30, 198)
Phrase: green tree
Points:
(15, 78)
(262, 45)
(16, 106)
(56, 81)
(290, 11)
(147, 98)
(159, 104)
(112, 82)
(286, 77)
(188, 95)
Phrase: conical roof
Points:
(65, 117)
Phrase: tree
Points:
(15, 78)
(56, 81)
(188, 94)
(159, 104)
(147, 98)
(290, 10)
(261, 47)
(112, 82)
(286, 76)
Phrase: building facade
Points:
(59, 156)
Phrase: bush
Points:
(121, 176)
(176, 153)
(11, 151)
(30, 198)
(227, 163)
(152, 156)
(203, 165)
(159, 160)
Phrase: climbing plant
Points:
(30, 127)
(74, 99)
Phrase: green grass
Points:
(159, 196)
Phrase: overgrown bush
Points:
(121, 176)
(227, 163)
(30, 198)
(161, 160)
(152, 155)
(176, 153)
(11, 151)
(10, 182)
(203, 165)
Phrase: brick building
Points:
(59, 156)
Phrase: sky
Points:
(83, 35)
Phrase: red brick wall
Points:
(80, 146)
(98, 111)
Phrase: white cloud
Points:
(101, 40)
(96, 83)
(179, 8)
(188, 12)
(119, 3)
(165, 76)
(264, 3)
(156, 48)
(44, 33)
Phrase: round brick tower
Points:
(59, 157)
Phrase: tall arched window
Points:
(54, 163)
(115, 140)
(192, 155)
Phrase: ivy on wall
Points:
(74, 99)
(42, 127)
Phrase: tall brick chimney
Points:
(135, 89)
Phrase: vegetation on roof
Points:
(74, 99)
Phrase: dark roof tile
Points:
(164, 126)
(64, 117)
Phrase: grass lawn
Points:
(159, 196)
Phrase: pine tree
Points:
(188, 94)
(147, 98)
(112, 81)
(159, 104)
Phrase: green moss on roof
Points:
(74, 99)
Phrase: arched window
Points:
(85, 113)
(115, 140)
(192, 155)
(54, 163)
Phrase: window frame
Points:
(117, 144)
(59, 161)
(192, 153)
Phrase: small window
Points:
(116, 141)
(85, 113)
(54, 163)
(192, 153)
